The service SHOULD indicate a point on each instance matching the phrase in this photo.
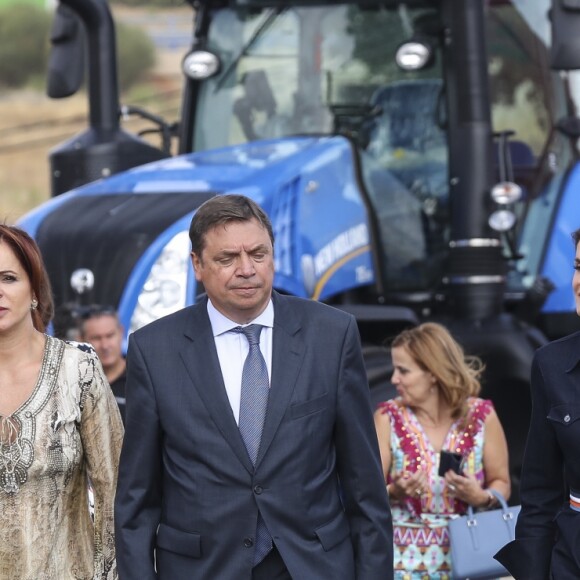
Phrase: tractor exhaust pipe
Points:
(475, 278)
(80, 23)
(104, 149)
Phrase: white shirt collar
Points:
(221, 323)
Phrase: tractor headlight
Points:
(502, 220)
(414, 54)
(200, 65)
(506, 192)
(165, 289)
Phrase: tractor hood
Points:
(255, 168)
(118, 226)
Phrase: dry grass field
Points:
(31, 124)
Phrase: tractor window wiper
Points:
(271, 16)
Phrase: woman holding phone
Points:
(442, 448)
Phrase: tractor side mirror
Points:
(565, 49)
(66, 63)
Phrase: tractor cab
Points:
(417, 160)
(384, 75)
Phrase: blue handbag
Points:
(476, 537)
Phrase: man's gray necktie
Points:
(253, 405)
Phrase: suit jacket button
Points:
(258, 489)
(567, 419)
(248, 542)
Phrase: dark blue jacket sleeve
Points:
(528, 557)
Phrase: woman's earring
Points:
(34, 304)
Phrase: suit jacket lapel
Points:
(287, 354)
(200, 358)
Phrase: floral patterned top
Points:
(65, 436)
(420, 523)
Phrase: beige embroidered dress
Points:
(68, 431)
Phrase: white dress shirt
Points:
(232, 349)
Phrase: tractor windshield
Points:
(302, 70)
(330, 69)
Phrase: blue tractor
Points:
(417, 159)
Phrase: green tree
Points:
(149, 3)
(135, 54)
(24, 30)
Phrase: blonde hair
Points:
(434, 349)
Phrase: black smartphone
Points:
(449, 460)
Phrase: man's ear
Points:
(196, 263)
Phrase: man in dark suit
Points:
(547, 543)
(209, 490)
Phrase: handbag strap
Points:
(500, 498)
(506, 515)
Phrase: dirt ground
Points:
(31, 124)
